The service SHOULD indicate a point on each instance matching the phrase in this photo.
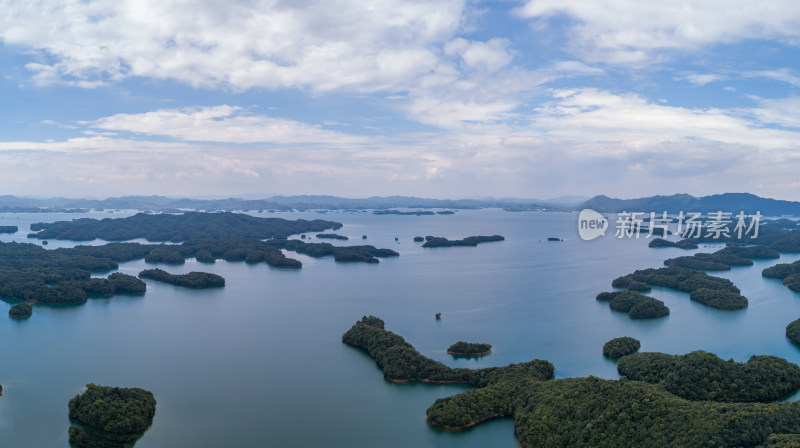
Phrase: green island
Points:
(418, 239)
(110, 416)
(793, 331)
(194, 280)
(718, 292)
(682, 244)
(398, 212)
(586, 412)
(333, 236)
(177, 228)
(436, 241)
(9, 229)
(789, 273)
(619, 347)
(724, 259)
(20, 310)
(469, 349)
(703, 376)
(31, 273)
(637, 306)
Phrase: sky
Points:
(439, 99)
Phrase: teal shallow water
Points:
(261, 363)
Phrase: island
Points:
(619, 347)
(435, 241)
(194, 280)
(594, 412)
(637, 306)
(689, 281)
(793, 331)
(110, 416)
(9, 229)
(682, 244)
(703, 376)
(398, 212)
(418, 239)
(333, 236)
(469, 349)
(554, 238)
(789, 273)
(20, 311)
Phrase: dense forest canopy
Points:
(437, 241)
(587, 412)
(619, 347)
(469, 348)
(115, 415)
(702, 376)
(718, 292)
(195, 280)
(178, 228)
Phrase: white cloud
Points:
(224, 124)
(782, 74)
(636, 32)
(781, 111)
(626, 122)
(320, 45)
(701, 79)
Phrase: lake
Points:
(261, 362)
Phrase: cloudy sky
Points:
(443, 98)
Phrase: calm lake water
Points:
(261, 363)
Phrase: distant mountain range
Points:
(307, 202)
(727, 202)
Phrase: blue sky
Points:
(533, 99)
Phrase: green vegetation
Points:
(619, 347)
(592, 412)
(8, 229)
(636, 305)
(682, 244)
(788, 272)
(332, 236)
(793, 331)
(469, 348)
(718, 292)
(112, 416)
(165, 255)
(435, 241)
(20, 310)
(401, 362)
(178, 228)
(418, 239)
(195, 280)
(723, 300)
(703, 376)
(364, 254)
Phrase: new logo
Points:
(591, 224)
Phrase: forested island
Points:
(703, 376)
(789, 273)
(20, 310)
(110, 416)
(9, 229)
(637, 306)
(469, 349)
(619, 347)
(599, 413)
(30, 273)
(793, 331)
(332, 236)
(711, 291)
(436, 241)
(194, 280)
